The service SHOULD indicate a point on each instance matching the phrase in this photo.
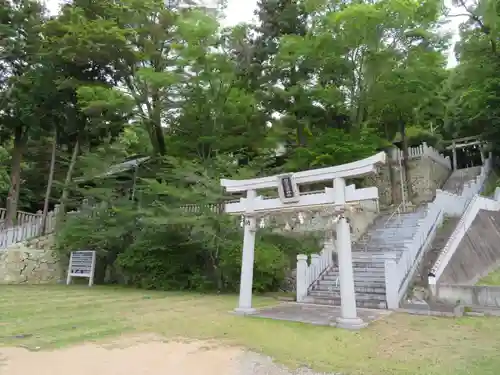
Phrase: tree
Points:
(23, 96)
(473, 87)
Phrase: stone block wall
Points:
(426, 175)
(469, 295)
(30, 262)
(360, 221)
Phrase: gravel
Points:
(256, 364)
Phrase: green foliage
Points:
(335, 147)
(417, 135)
(172, 239)
(146, 254)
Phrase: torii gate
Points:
(290, 199)
(462, 143)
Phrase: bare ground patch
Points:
(130, 355)
(142, 355)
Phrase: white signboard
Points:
(288, 189)
(82, 264)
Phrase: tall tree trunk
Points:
(15, 177)
(392, 178)
(390, 164)
(67, 181)
(49, 183)
(404, 142)
(156, 118)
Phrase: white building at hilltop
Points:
(210, 6)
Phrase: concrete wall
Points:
(477, 250)
(30, 262)
(479, 295)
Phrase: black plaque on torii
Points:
(288, 189)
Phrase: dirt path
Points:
(140, 356)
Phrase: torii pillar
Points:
(247, 261)
(348, 317)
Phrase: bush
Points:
(203, 256)
(416, 135)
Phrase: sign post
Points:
(81, 264)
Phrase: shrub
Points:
(202, 256)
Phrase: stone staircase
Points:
(459, 177)
(442, 236)
(388, 234)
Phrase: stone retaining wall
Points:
(30, 262)
(426, 176)
(469, 295)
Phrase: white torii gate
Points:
(290, 199)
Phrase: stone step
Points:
(382, 245)
(383, 248)
(398, 227)
(390, 248)
(391, 232)
(362, 267)
(386, 240)
(359, 296)
(368, 280)
(365, 280)
(394, 230)
(375, 255)
(368, 304)
(375, 289)
(376, 247)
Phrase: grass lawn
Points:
(54, 316)
(493, 278)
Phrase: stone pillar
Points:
(315, 264)
(454, 152)
(349, 317)
(301, 277)
(246, 278)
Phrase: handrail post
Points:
(301, 278)
(391, 284)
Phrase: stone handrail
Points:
(434, 154)
(27, 226)
(22, 217)
(423, 150)
(467, 205)
(476, 185)
(399, 272)
(476, 204)
(307, 274)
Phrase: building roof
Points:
(117, 168)
(125, 166)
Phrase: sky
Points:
(242, 11)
